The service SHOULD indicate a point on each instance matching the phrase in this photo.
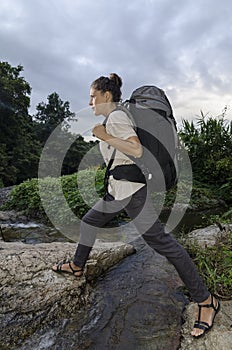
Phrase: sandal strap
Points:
(59, 265)
(74, 271)
(209, 305)
(202, 325)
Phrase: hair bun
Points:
(117, 80)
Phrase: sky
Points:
(181, 46)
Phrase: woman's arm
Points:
(131, 146)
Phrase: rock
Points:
(137, 304)
(219, 338)
(31, 233)
(207, 236)
(31, 295)
(12, 216)
(5, 194)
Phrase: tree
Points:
(56, 114)
(22, 136)
(77, 151)
(50, 115)
(19, 151)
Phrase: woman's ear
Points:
(108, 96)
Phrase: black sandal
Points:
(72, 272)
(204, 325)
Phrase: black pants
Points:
(140, 209)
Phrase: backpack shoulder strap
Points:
(107, 173)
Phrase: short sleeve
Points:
(119, 125)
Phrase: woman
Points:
(118, 133)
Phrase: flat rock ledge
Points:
(32, 295)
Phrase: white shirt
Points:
(119, 125)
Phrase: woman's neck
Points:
(109, 108)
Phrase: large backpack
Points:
(151, 113)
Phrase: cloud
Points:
(183, 46)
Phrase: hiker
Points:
(119, 133)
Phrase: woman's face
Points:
(99, 101)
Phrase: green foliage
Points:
(26, 197)
(224, 218)
(18, 146)
(215, 264)
(22, 137)
(75, 157)
(55, 115)
(225, 191)
(14, 90)
(209, 143)
(1, 183)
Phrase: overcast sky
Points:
(182, 46)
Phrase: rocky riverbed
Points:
(134, 304)
(129, 298)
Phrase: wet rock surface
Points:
(134, 305)
(32, 296)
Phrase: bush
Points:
(26, 197)
(209, 143)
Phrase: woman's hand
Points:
(99, 131)
(131, 146)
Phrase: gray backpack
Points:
(151, 113)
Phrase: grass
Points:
(214, 264)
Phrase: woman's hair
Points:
(112, 84)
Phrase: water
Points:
(117, 230)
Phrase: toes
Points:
(196, 333)
(55, 267)
(59, 267)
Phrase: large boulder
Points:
(32, 295)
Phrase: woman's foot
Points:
(68, 267)
(207, 311)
